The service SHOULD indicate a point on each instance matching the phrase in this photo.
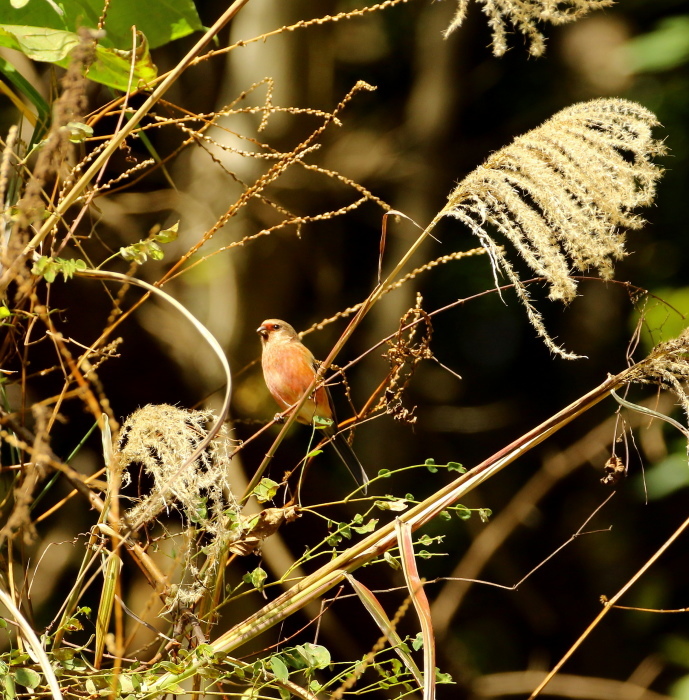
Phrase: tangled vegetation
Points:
(165, 504)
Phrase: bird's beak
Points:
(262, 331)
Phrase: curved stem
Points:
(210, 339)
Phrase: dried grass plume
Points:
(562, 193)
(162, 438)
(524, 16)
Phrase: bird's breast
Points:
(288, 372)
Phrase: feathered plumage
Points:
(289, 367)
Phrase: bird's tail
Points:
(350, 460)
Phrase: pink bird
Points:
(289, 367)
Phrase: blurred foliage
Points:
(663, 48)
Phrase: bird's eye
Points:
(276, 326)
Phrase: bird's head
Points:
(274, 330)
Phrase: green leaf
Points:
(48, 268)
(205, 651)
(171, 666)
(17, 658)
(167, 235)
(75, 665)
(396, 504)
(9, 690)
(161, 21)
(79, 132)
(256, 578)
(141, 251)
(4, 312)
(334, 539)
(63, 654)
(111, 66)
(125, 684)
(345, 529)
(370, 526)
(279, 669)
(321, 423)
(40, 266)
(73, 624)
(266, 490)
(200, 512)
(394, 563)
(134, 253)
(38, 43)
(442, 677)
(155, 251)
(315, 655)
(456, 467)
(462, 512)
(27, 677)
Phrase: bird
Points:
(289, 368)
